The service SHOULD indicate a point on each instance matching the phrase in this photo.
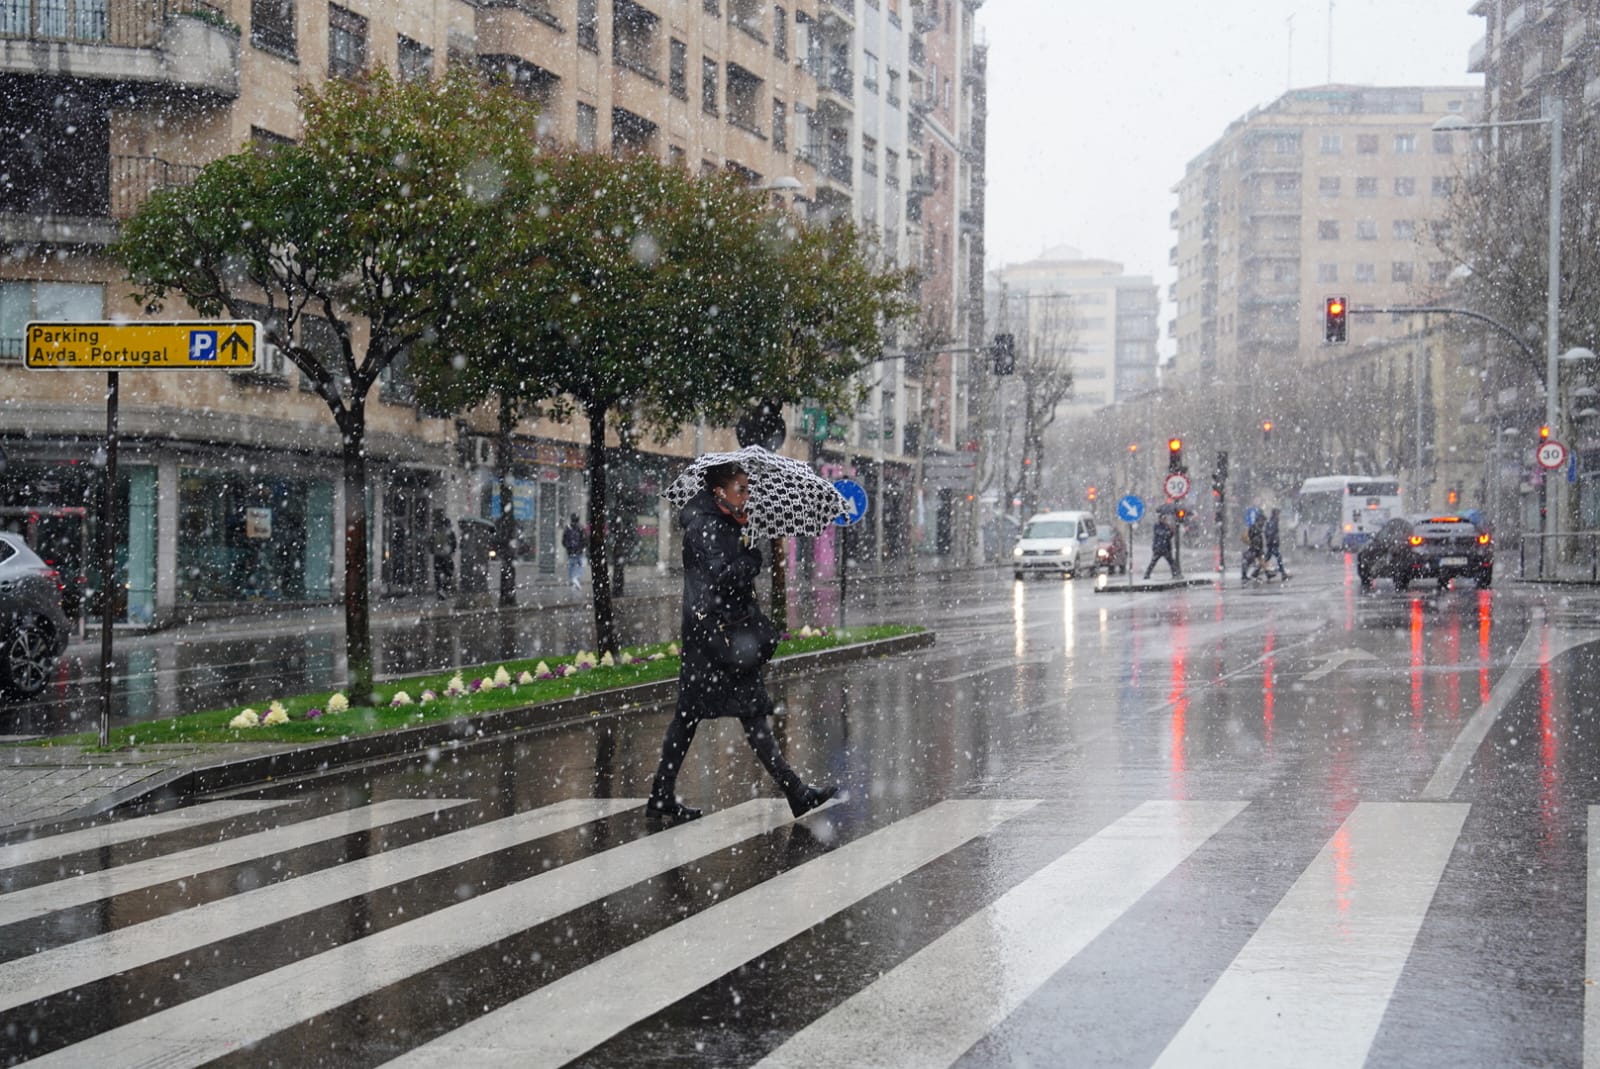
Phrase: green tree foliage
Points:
(637, 297)
(371, 222)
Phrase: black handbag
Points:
(745, 644)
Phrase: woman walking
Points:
(721, 668)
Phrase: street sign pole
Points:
(108, 556)
(198, 345)
(855, 497)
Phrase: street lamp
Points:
(1552, 118)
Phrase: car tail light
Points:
(1483, 540)
(1415, 540)
(55, 577)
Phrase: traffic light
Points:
(1092, 493)
(1266, 432)
(1219, 474)
(1333, 325)
(1544, 433)
(1174, 454)
(1005, 354)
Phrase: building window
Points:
(1405, 144)
(780, 125)
(1327, 272)
(347, 42)
(272, 26)
(1401, 271)
(1366, 230)
(633, 38)
(1366, 273)
(744, 97)
(869, 72)
(415, 60)
(1367, 144)
(1328, 187)
(1285, 188)
(869, 154)
(1405, 187)
(708, 86)
(589, 24)
(1444, 142)
(780, 33)
(52, 302)
(1441, 231)
(677, 157)
(1366, 187)
(1443, 185)
(1404, 230)
(1286, 144)
(894, 88)
(712, 7)
(632, 133)
(1328, 230)
(1439, 271)
(678, 68)
(1332, 144)
(588, 126)
(891, 168)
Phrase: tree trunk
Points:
(505, 522)
(780, 583)
(357, 570)
(605, 625)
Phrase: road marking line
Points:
(1311, 986)
(123, 831)
(1335, 661)
(106, 883)
(1453, 766)
(1591, 950)
(936, 1004)
(225, 1020)
(65, 967)
(583, 1009)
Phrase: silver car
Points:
(33, 629)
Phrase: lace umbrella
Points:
(786, 496)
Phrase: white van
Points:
(1059, 542)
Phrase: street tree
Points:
(367, 223)
(1044, 373)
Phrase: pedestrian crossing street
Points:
(416, 932)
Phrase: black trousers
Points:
(757, 732)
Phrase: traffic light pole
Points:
(1495, 323)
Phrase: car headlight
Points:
(1016, 551)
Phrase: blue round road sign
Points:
(1130, 508)
(855, 501)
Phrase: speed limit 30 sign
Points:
(1177, 485)
(1552, 455)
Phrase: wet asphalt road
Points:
(1241, 826)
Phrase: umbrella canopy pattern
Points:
(786, 496)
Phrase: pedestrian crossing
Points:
(577, 932)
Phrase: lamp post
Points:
(1554, 109)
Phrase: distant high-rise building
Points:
(1329, 190)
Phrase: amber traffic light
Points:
(1333, 320)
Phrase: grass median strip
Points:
(400, 703)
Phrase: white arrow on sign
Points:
(1336, 660)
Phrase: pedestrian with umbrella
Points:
(727, 641)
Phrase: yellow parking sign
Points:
(143, 346)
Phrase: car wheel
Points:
(1016, 575)
(27, 659)
(1485, 578)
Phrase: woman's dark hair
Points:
(722, 475)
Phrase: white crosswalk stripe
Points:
(127, 831)
(950, 994)
(65, 967)
(92, 886)
(1308, 987)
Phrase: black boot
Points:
(669, 808)
(806, 799)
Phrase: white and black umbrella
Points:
(786, 496)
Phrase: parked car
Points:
(1062, 543)
(1427, 547)
(33, 629)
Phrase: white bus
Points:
(1343, 511)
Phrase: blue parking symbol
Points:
(202, 345)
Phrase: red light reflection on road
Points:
(1549, 758)
(1485, 628)
(1269, 665)
(1177, 756)
(1418, 662)
(1344, 879)
(1452, 682)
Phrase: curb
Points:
(175, 786)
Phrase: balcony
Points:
(1578, 34)
(841, 10)
(87, 210)
(920, 185)
(189, 44)
(1515, 19)
(836, 86)
(1477, 56)
(841, 168)
(918, 54)
(971, 221)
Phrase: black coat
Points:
(1161, 540)
(719, 576)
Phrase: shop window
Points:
(248, 537)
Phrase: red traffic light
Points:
(1092, 493)
(1175, 445)
(1333, 319)
(1544, 433)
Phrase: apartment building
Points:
(230, 491)
(1532, 49)
(1105, 322)
(1327, 190)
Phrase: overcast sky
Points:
(1096, 106)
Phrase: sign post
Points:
(1177, 487)
(137, 346)
(855, 510)
(1130, 510)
